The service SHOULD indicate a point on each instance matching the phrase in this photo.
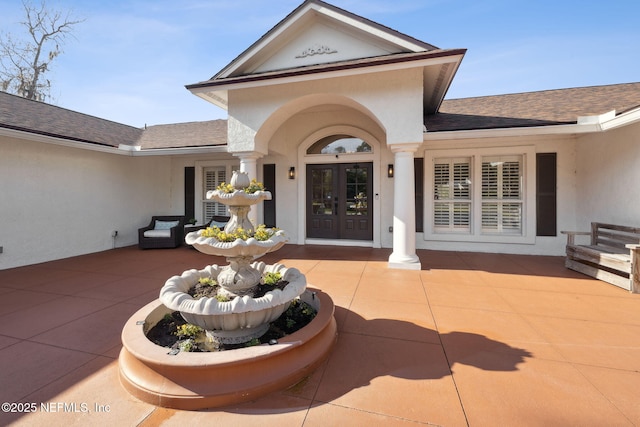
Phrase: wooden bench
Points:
(613, 255)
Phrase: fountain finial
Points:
(240, 180)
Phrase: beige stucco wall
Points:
(608, 177)
(57, 202)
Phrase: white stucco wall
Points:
(564, 146)
(275, 120)
(249, 109)
(285, 150)
(608, 177)
(58, 202)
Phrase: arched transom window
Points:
(339, 144)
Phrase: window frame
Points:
(200, 186)
(476, 233)
(450, 198)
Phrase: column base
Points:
(404, 262)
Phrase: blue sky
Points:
(130, 59)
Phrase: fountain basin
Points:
(242, 318)
(238, 197)
(238, 248)
(207, 380)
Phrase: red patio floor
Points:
(471, 339)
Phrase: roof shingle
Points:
(45, 119)
(544, 108)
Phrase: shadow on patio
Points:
(472, 339)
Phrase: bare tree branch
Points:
(23, 63)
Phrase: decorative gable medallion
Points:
(316, 49)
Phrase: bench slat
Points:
(611, 256)
(605, 276)
(618, 262)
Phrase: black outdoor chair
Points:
(162, 232)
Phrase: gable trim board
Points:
(318, 11)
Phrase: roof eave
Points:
(583, 125)
(216, 91)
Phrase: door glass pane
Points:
(356, 183)
(322, 191)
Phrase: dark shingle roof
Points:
(45, 119)
(544, 108)
(179, 135)
(22, 114)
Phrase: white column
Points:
(404, 212)
(249, 165)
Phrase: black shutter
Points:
(546, 207)
(189, 192)
(269, 206)
(418, 167)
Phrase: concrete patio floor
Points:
(471, 339)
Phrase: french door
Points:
(339, 204)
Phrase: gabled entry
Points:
(339, 202)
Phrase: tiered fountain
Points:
(186, 380)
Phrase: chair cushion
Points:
(165, 225)
(157, 233)
(217, 224)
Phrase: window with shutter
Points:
(213, 177)
(452, 195)
(482, 194)
(502, 194)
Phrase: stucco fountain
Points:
(187, 380)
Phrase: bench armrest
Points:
(632, 247)
(571, 235)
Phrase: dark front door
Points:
(339, 201)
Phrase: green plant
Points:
(188, 330)
(254, 186)
(271, 278)
(252, 343)
(261, 233)
(225, 188)
(207, 281)
(223, 298)
(187, 345)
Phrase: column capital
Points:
(248, 155)
(405, 148)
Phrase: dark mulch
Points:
(297, 316)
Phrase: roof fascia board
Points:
(255, 81)
(512, 132)
(180, 151)
(298, 16)
(124, 151)
(622, 119)
(586, 124)
(264, 41)
(376, 31)
(35, 137)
